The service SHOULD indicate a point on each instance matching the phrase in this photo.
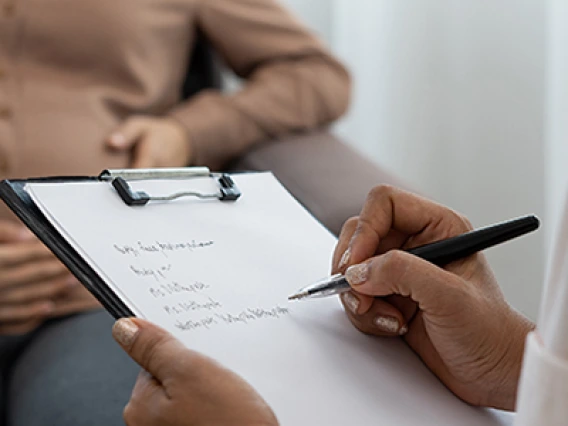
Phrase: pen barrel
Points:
(446, 251)
(439, 253)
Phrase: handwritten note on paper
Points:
(217, 275)
(191, 304)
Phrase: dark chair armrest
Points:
(324, 174)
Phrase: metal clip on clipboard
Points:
(228, 191)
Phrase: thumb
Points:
(154, 349)
(399, 273)
(126, 136)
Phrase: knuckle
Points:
(129, 414)
(36, 310)
(359, 229)
(380, 191)
(466, 223)
(350, 225)
(461, 222)
(351, 222)
(450, 223)
(149, 347)
(55, 289)
(394, 264)
(148, 351)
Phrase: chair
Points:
(324, 174)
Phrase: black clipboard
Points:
(12, 192)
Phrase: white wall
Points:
(449, 94)
(317, 14)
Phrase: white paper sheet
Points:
(218, 275)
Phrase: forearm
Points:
(290, 95)
(292, 82)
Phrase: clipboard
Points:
(264, 245)
(12, 192)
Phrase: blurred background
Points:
(450, 96)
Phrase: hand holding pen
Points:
(457, 322)
(451, 317)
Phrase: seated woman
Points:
(91, 85)
(455, 319)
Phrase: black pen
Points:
(439, 253)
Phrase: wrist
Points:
(504, 394)
(189, 145)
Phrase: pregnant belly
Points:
(71, 151)
(67, 151)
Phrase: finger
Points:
(127, 135)
(341, 253)
(142, 157)
(15, 254)
(12, 329)
(31, 272)
(381, 319)
(388, 208)
(341, 258)
(372, 313)
(145, 402)
(42, 290)
(65, 307)
(11, 232)
(153, 348)
(396, 272)
(29, 312)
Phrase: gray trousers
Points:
(68, 372)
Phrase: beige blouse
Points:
(71, 71)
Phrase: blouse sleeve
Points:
(543, 389)
(292, 82)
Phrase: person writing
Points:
(456, 319)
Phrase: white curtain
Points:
(556, 108)
(450, 94)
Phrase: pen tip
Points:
(297, 296)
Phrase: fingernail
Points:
(117, 139)
(345, 258)
(357, 274)
(351, 302)
(389, 325)
(124, 331)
